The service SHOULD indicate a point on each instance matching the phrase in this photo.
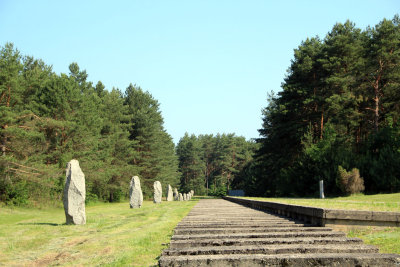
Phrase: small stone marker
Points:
(157, 192)
(192, 192)
(184, 197)
(176, 194)
(135, 193)
(321, 189)
(180, 197)
(74, 194)
(170, 196)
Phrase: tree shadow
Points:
(51, 224)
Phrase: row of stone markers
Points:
(136, 195)
(75, 194)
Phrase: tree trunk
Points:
(3, 142)
(376, 110)
(322, 125)
(3, 148)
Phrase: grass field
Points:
(387, 239)
(114, 235)
(380, 202)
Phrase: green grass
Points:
(386, 239)
(114, 235)
(380, 202)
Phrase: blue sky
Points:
(210, 64)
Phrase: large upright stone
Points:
(157, 192)
(184, 196)
(74, 194)
(192, 192)
(170, 196)
(135, 193)
(176, 194)
(180, 198)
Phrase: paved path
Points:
(218, 232)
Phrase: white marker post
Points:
(321, 189)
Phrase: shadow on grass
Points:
(51, 224)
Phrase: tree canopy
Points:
(339, 106)
(48, 119)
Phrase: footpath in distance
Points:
(218, 232)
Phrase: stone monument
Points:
(74, 194)
(157, 192)
(135, 193)
(170, 196)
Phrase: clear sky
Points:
(209, 63)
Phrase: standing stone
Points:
(74, 194)
(135, 193)
(184, 196)
(170, 196)
(180, 197)
(176, 194)
(157, 192)
(189, 196)
(192, 192)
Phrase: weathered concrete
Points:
(74, 194)
(324, 217)
(240, 260)
(135, 193)
(262, 241)
(222, 233)
(273, 249)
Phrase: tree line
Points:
(339, 109)
(47, 119)
(209, 164)
(337, 114)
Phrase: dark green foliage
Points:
(48, 119)
(339, 107)
(154, 149)
(210, 164)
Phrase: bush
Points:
(219, 192)
(350, 182)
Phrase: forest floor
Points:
(387, 239)
(114, 235)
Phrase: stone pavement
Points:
(218, 232)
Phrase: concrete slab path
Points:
(218, 232)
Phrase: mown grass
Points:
(386, 239)
(380, 202)
(114, 235)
